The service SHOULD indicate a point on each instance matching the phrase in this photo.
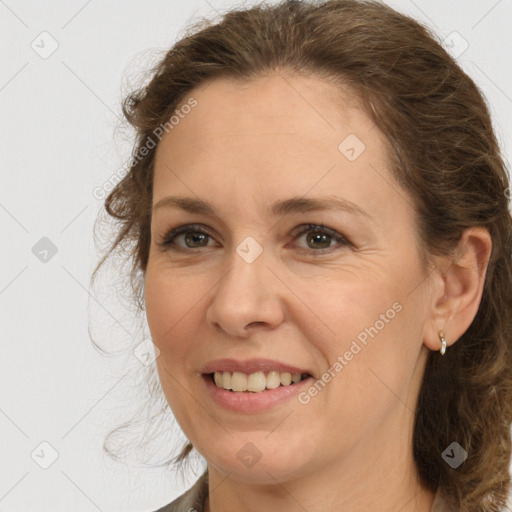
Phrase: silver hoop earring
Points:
(443, 343)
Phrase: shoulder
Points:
(191, 500)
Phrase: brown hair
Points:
(445, 155)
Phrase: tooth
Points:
(226, 377)
(286, 378)
(273, 380)
(218, 379)
(239, 381)
(256, 382)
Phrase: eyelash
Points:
(167, 241)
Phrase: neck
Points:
(321, 494)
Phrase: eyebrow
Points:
(284, 207)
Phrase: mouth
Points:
(254, 386)
(257, 382)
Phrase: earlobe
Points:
(460, 281)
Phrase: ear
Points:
(458, 282)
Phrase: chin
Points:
(257, 458)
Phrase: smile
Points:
(255, 382)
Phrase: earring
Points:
(443, 343)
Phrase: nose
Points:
(246, 298)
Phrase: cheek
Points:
(168, 309)
(369, 334)
(159, 307)
(349, 308)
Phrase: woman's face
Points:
(266, 287)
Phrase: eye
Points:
(319, 238)
(193, 235)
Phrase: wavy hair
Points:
(444, 154)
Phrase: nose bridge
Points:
(247, 266)
(246, 277)
(245, 294)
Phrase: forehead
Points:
(277, 104)
(275, 136)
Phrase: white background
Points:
(57, 131)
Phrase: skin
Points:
(244, 147)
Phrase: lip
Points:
(251, 366)
(247, 402)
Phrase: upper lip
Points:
(250, 366)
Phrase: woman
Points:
(317, 211)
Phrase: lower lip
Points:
(249, 402)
